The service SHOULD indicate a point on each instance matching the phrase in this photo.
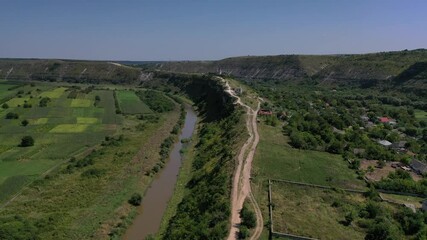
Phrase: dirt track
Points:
(241, 181)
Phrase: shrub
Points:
(12, 115)
(5, 106)
(27, 141)
(24, 122)
(135, 199)
(93, 173)
(248, 217)
(43, 102)
(243, 232)
(27, 105)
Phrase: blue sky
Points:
(207, 29)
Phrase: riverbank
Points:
(156, 198)
(183, 178)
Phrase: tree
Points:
(297, 140)
(243, 232)
(248, 217)
(381, 231)
(135, 199)
(27, 141)
(24, 122)
(381, 163)
(43, 102)
(12, 115)
(27, 105)
(411, 131)
(5, 106)
(335, 147)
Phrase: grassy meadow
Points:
(308, 211)
(276, 159)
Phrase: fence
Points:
(296, 237)
(270, 207)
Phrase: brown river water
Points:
(156, 198)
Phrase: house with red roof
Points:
(265, 112)
(384, 119)
(388, 120)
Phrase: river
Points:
(156, 198)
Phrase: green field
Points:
(276, 159)
(55, 93)
(14, 102)
(62, 128)
(81, 103)
(69, 128)
(307, 211)
(87, 120)
(4, 90)
(130, 103)
(421, 115)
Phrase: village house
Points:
(385, 143)
(370, 124)
(396, 164)
(384, 119)
(399, 146)
(387, 120)
(265, 112)
(419, 167)
(364, 118)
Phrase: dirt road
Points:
(241, 182)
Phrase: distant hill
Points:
(362, 69)
(406, 69)
(68, 70)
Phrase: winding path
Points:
(241, 188)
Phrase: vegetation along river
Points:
(156, 198)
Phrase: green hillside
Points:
(67, 70)
(360, 69)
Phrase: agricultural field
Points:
(130, 103)
(59, 129)
(97, 157)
